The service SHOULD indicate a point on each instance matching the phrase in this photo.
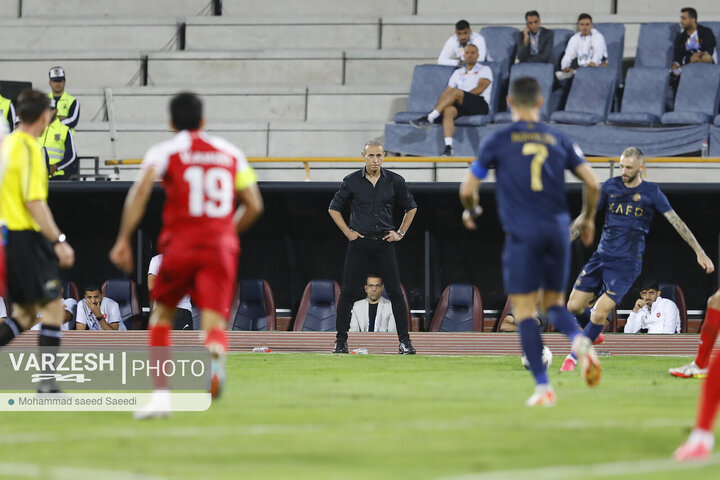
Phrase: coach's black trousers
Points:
(364, 256)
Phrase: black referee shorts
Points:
(472, 105)
(32, 268)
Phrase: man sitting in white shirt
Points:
(586, 48)
(652, 312)
(96, 312)
(468, 93)
(374, 313)
(453, 52)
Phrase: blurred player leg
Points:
(159, 341)
(214, 326)
(708, 334)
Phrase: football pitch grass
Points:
(315, 416)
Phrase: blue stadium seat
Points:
(544, 74)
(560, 40)
(501, 44)
(459, 310)
(590, 98)
(643, 100)
(124, 292)
(318, 307)
(614, 34)
(499, 84)
(715, 27)
(428, 82)
(253, 307)
(656, 44)
(717, 121)
(697, 96)
(674, 292)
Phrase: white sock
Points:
(702, 436)
(433, 115)
(448, 141)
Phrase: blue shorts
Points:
(537, 259)
(611, 276)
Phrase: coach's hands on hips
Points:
(392, 236)
(705, 262)
(65, 254)
(121, 255)
(353, 235)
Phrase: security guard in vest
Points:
(67, 105)
(7, 112)
(59, 149)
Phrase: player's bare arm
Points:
(393, 235)
(584, 225)
(343, 226)
(470, 199)
(250, 209)
(40, 211)
(680, 226)
(121, 254)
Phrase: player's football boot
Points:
(406, 348)
(217, 369)
(589, 363)
(693, 451)
(158, 407)
(544, 396)
(569, 364)
(688, 371)
(600, 339)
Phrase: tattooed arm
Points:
(689, 238)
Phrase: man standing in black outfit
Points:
(372, 194)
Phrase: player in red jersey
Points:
(701, 441)
(203, 177)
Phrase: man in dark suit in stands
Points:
(536, 44)
(695, 44)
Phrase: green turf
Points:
(375, 417)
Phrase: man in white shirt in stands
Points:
(373, 313)
(96, 312)
(468, 93)
(586, 48)
(652, 312)
(453, 52)
(183, 315)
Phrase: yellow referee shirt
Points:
(24, 179)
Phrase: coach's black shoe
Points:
(422, 123)
(340, 347)
(406, 348)
(448, 151)
(48, 386)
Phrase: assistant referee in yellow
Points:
(35, 247)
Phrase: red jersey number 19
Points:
(215, 185)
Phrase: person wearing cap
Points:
(67, 106)
(59, 148)
(7, 112)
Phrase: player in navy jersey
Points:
(629, 203)
(530, 159)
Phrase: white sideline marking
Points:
(590, 471)
(31, 470)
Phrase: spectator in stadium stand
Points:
(453, 52)
(652, 313)
(374, 312)
(67, 105)
(96, 312)
(7, 112)
(694, 44)
(468, 93)
(536, 43)
(183, 315)
(586, 48)
(59, 149)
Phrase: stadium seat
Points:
(459, 310)
(407, 304)
(70, 290)
(499, 84)
(544, 74)
(697, 96)
(673, 292)
(717, 121)
(715, 27)
(428, 82)
(655, 44)
(614, 34)
(253, 307)
(124, 292)
(501, 44)
(590, 97)
(561, 36)
(318, 307)
(643, 101)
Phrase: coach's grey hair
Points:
(374, 143)
(634, 152)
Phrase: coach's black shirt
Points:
(371, 208)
